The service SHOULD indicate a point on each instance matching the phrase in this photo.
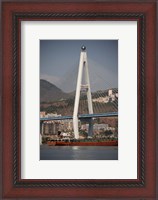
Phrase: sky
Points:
(59, 62)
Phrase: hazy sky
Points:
(59, 61)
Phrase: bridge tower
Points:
(83, 69)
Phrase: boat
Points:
(83, 143)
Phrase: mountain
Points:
(49, 92)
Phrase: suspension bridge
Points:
(86, 105)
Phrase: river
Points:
(78, 152)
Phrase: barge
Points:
(83, 143)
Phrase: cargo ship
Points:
(83, 143)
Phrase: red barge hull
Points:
(63, 143)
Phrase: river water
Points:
(78, 152)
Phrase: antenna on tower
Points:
(83, 67)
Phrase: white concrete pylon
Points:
(83, 64)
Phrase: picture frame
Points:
(13, 13)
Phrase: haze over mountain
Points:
(49, 92)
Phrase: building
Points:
(49, 128)
(42, 114)
(110, 93)
(101, 99)
(52, 115)
(98, 127)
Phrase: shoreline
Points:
(82, 143)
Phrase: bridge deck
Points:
(83, 116)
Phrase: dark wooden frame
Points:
(145, 185)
